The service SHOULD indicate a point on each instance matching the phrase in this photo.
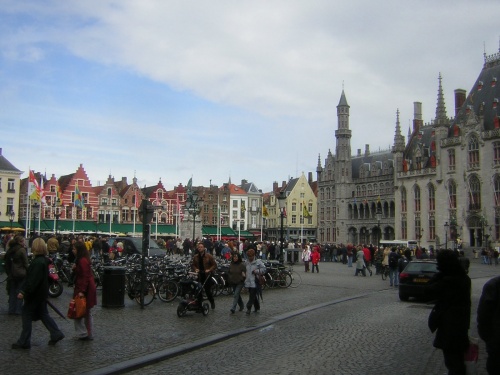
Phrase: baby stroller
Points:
(193, 296)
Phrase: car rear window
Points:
(421, 267)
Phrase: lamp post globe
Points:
(282, 206)
(11, 218)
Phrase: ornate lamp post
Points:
(282, 206)
(446, 226)
(11, 218)
(193, 202)
(35, 209)
(378, 214)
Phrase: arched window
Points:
(452, 194)
(416, 191)
(432, 198)
(403, 199)
(473, 152)
(496, 192)
(451, 159)
(474, 193)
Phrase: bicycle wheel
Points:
(149, 293)
(296, 279)
(385, 273)
(285, 280)
(167, 291)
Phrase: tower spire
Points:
(399, 139)
(441, 117)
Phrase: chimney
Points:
(124, 180)
(367, 150)
(243, 182)
(417, 116)
(310, 177)
(283, 184)
(275, 186)
(359, 152)
(459, 100)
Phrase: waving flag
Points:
(59, 200)
(33, 188)
(264, 211)
(305, 212)
(78, 197)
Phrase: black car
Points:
(133, 245)
(415, 278)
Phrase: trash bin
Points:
(113, 287)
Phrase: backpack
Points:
(402, 262)
(393, 260)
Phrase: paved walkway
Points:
(131, 337)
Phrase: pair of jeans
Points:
(313, 266)
(84, 326)
(253, 299)
(394, 276)
(349, 261)
(15, 304)
(237, 296)
(27, 318)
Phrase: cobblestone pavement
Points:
(333, 323)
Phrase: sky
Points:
(219, 90)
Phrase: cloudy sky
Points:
(223, 89)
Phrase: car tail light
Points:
(403, 276)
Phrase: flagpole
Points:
(218, 217)
(41, 203)
(261, 217)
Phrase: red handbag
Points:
(77, 308)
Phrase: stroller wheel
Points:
(206, 309)
(181, 311)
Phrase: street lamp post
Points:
(11, 218)
(446, 226)
(282, 206)
(193, 202)
(378, 214)
(35, 210)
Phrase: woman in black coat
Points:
(451, 315)
(34, 293)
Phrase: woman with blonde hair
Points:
(34, 293)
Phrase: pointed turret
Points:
(399, 139)
(441, 117)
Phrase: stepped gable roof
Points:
(484, 96)
(6, 165)
(358, 161)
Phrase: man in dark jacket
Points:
(488, 323)
(204, 264)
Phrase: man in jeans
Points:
(393, 267)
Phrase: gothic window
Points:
(496, 153)
(370, 191)
(322, 194)
(363, 191)
(375, 190)
(473, 152)
(404, 229)
(432, 227)
(452, 194)
(474, 193)
(416, 191)
(496, 187)
(432, 198)
(358, 191)
(403, 199)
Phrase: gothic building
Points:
(355, 193)
(441, 187)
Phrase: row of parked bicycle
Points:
(163, 276)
